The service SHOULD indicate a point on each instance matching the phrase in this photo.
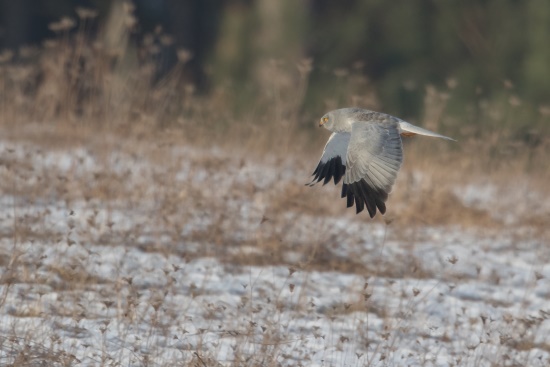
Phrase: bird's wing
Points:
(374, 156)
(333, 160)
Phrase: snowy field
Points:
(157, 255)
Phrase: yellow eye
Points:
(325, 119)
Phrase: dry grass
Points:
(196, 179)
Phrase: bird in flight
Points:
(365, 149)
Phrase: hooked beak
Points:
(321, 122)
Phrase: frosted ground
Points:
(145, 254)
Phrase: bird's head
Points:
(336, 121)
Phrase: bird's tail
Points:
(409, 129)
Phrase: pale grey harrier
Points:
(365, 148)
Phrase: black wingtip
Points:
(359, 204)
(340, 171)
(330, 171)
(363, 195)
(344, 191)
(326, 171)
(350, 199)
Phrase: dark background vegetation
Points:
(480, 52)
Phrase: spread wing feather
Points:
(374, 156)
(333, 160)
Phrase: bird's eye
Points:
(325, 119)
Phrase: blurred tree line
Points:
(326, 51)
